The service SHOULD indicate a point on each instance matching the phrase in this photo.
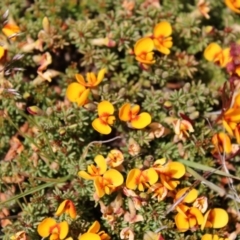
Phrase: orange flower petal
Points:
(10, 29)
(232, 5)
(190, 197)
(101, 163)
(218, 217)
(74, 91)
(44, 227)
(83, 98)
(100, 76)
(89, 236)
(198, 215)
(101, 127)
(105, 107)
(131, 178)
(98, 184)
(61, 208)
(115, 177)
(176, 169)
(80, 79)
(211, 51)
(142, 120)
(85, 175)
(151, 175)
(124, 112)
(162, 29)
(63, 229)
(94, 228)
(181, 222)
(143, 45)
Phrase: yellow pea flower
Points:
(10, 30)
(105, 118)
(107, 183)
(169, 172)
(137, 178)
(212, 237)
(201, 203)
(94, 233)
(77, 93)
(143, 50)
(49, 226)
(161, 37)
(92, 80)
(191, 218)
(67, 206)
(114, 158)
(230, 119)
(222, 143)
(94, 171)
(234, 5)
(159, 191)
(20, 236)
(130, 114)
(214, 53)
(215, 218)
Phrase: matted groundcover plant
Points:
(120, 119)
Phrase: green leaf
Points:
(207, 168)
(211, 185)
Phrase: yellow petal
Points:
(100, 76)
(105, 107)
(85, 175)
(63, 229)
(83, 98)
(135, 110)
(10, 29)
(211, 51)
(72, 210)
(233, 115)
(225, 141)
(198, 215)
(101, 126)
(131, 178)
(176, 169)
(160, 47)
(207, 237)
(141, 121)
(181, 222)
(91, 79)
(2, 51)
(218, 217)
(94, 228)
(98, 184)
(44, 227)
(143, 45)
(80, 79)
(101, 163)
(162, 29)
(61, 208)
(190, 197)
(124, 112)
(232, 6)
(89, 236)
(147, 59)
(227, 127)
(205, 218)
(74, 91)
(226, 57)
(115, 177)
(152, 175)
